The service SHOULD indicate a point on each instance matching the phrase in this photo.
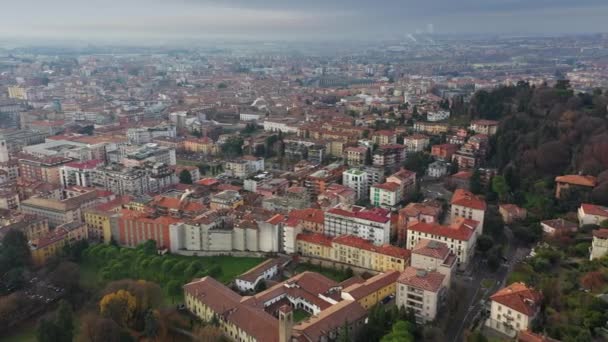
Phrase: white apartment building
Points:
(249, 117)
(79, 173)
(358, 181)
(434, 256)
(144, 135)
(279, 126)
(438, 115)
(513, 309)
(370, 224)
(421, 291)
(416, 142)
(460, 236)
(466, 205)
(385, 195)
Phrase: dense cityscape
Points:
(426, 187)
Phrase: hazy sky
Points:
(289, 19)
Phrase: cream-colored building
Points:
(599, 245)
(467, 205)
(592, 214)
(513, 308)
(421, 291)
(460, 236)
(353, 251)
(434, 256)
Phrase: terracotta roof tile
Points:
(422, 279)
(518, 297)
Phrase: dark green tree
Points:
(475, 182)
(185, 177)
(151, 325)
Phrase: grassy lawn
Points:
(185, 162)
(337, 275)
(487, 283)
(300, 315)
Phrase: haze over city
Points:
(150, 20)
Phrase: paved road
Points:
(435, 189)
(470, 308)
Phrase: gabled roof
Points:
(519, 297)
(461, 229)
(467, 199)
(600, 233)
(596, 210)
(579, 180)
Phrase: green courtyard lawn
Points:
(300, 315)
(331, 273)
(104, 263)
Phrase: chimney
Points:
(285, 323)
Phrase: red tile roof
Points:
(276, 219)
(528, 336)
(431, 248)
(376, 214)
(318, 239)
(389, 186)
(601, 233)
(357, 242)
(421, 279)
(467, 199)
(596, 210)
(518, 297)
(310, 215)
(371, 285)
(588, 181)
(461, 229)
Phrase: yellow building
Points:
(16, 92)
(51, 244)
(354, 251)
(202, 145)
(372, 291)
(227, 199)
(99, 224)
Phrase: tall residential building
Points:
(79, 173)
(356, 179)
(369, 224)
(422, 292)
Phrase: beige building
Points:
(57, 211)
(421, 291)
(460, 236)
(599, 245)
(353, 251)
(467, 205)
(513, 309)
(434, 256)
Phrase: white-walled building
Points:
(370, 224)
(437, 169)
(469, 206)
(358, 181)
(433, 255)
(385, 195)
(592, 214)
(421, 291)
(460, 236)
(513, 309)
(269, 269)
(599, 244)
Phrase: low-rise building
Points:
(487, 127)
(513, 309)
(248, 281)
(511, 213)
(570, 183)
(599, 244)
(373, 290)
(592, 214)
(268, 315)
(444, 152)
(437, 169)
(558, 227)
(433, 255)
